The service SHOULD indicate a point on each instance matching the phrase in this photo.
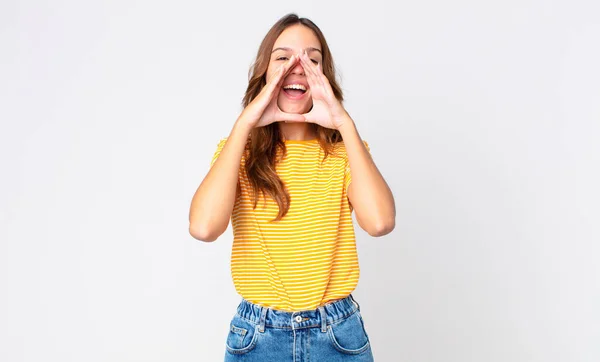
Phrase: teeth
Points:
(295, 86)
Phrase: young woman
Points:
(294, 262)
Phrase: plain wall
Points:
(484, 118)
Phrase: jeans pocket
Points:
(349, 336)
(242, 336)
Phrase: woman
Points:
(294, 259)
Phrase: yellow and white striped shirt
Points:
(309, 257)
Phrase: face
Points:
(294, 40)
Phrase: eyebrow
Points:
(309, 49)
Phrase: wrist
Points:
(243, 124)
(346, 123)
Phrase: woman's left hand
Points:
(327, 110)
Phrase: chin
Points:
(288, 106)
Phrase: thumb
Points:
(291, 117)
(307, 116)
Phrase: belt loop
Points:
(263, 317)
(355, 302)
(323, 319)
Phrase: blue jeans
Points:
(332, 332)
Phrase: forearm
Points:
(371, 197)
(212, 204)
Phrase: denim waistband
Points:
(320, 317)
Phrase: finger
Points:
(293, 61)
(312, 66)
(310, 76)
(277, 75)
(312, 73)
(273, 85)
(316, 71)
(319, 72)
(280, 74)
(323, 79)
(287, 67)
(307, 64)
(307, 117)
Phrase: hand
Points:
(263, 110)
(327, 110)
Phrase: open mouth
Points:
(294, 91)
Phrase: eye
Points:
(282, 58)
(314, 61)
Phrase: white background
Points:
(484, 118)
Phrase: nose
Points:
(298, 69)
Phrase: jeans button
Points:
(298, 319)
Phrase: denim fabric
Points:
(332, 332)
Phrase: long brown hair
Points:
(263, 142)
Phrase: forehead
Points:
(297, 37)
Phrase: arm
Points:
(368, 193)
(213, 201)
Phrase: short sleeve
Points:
(220, 146)
(347, 175)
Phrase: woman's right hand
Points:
(263, 110)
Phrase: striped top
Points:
(309, 257)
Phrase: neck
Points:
(293, 131)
